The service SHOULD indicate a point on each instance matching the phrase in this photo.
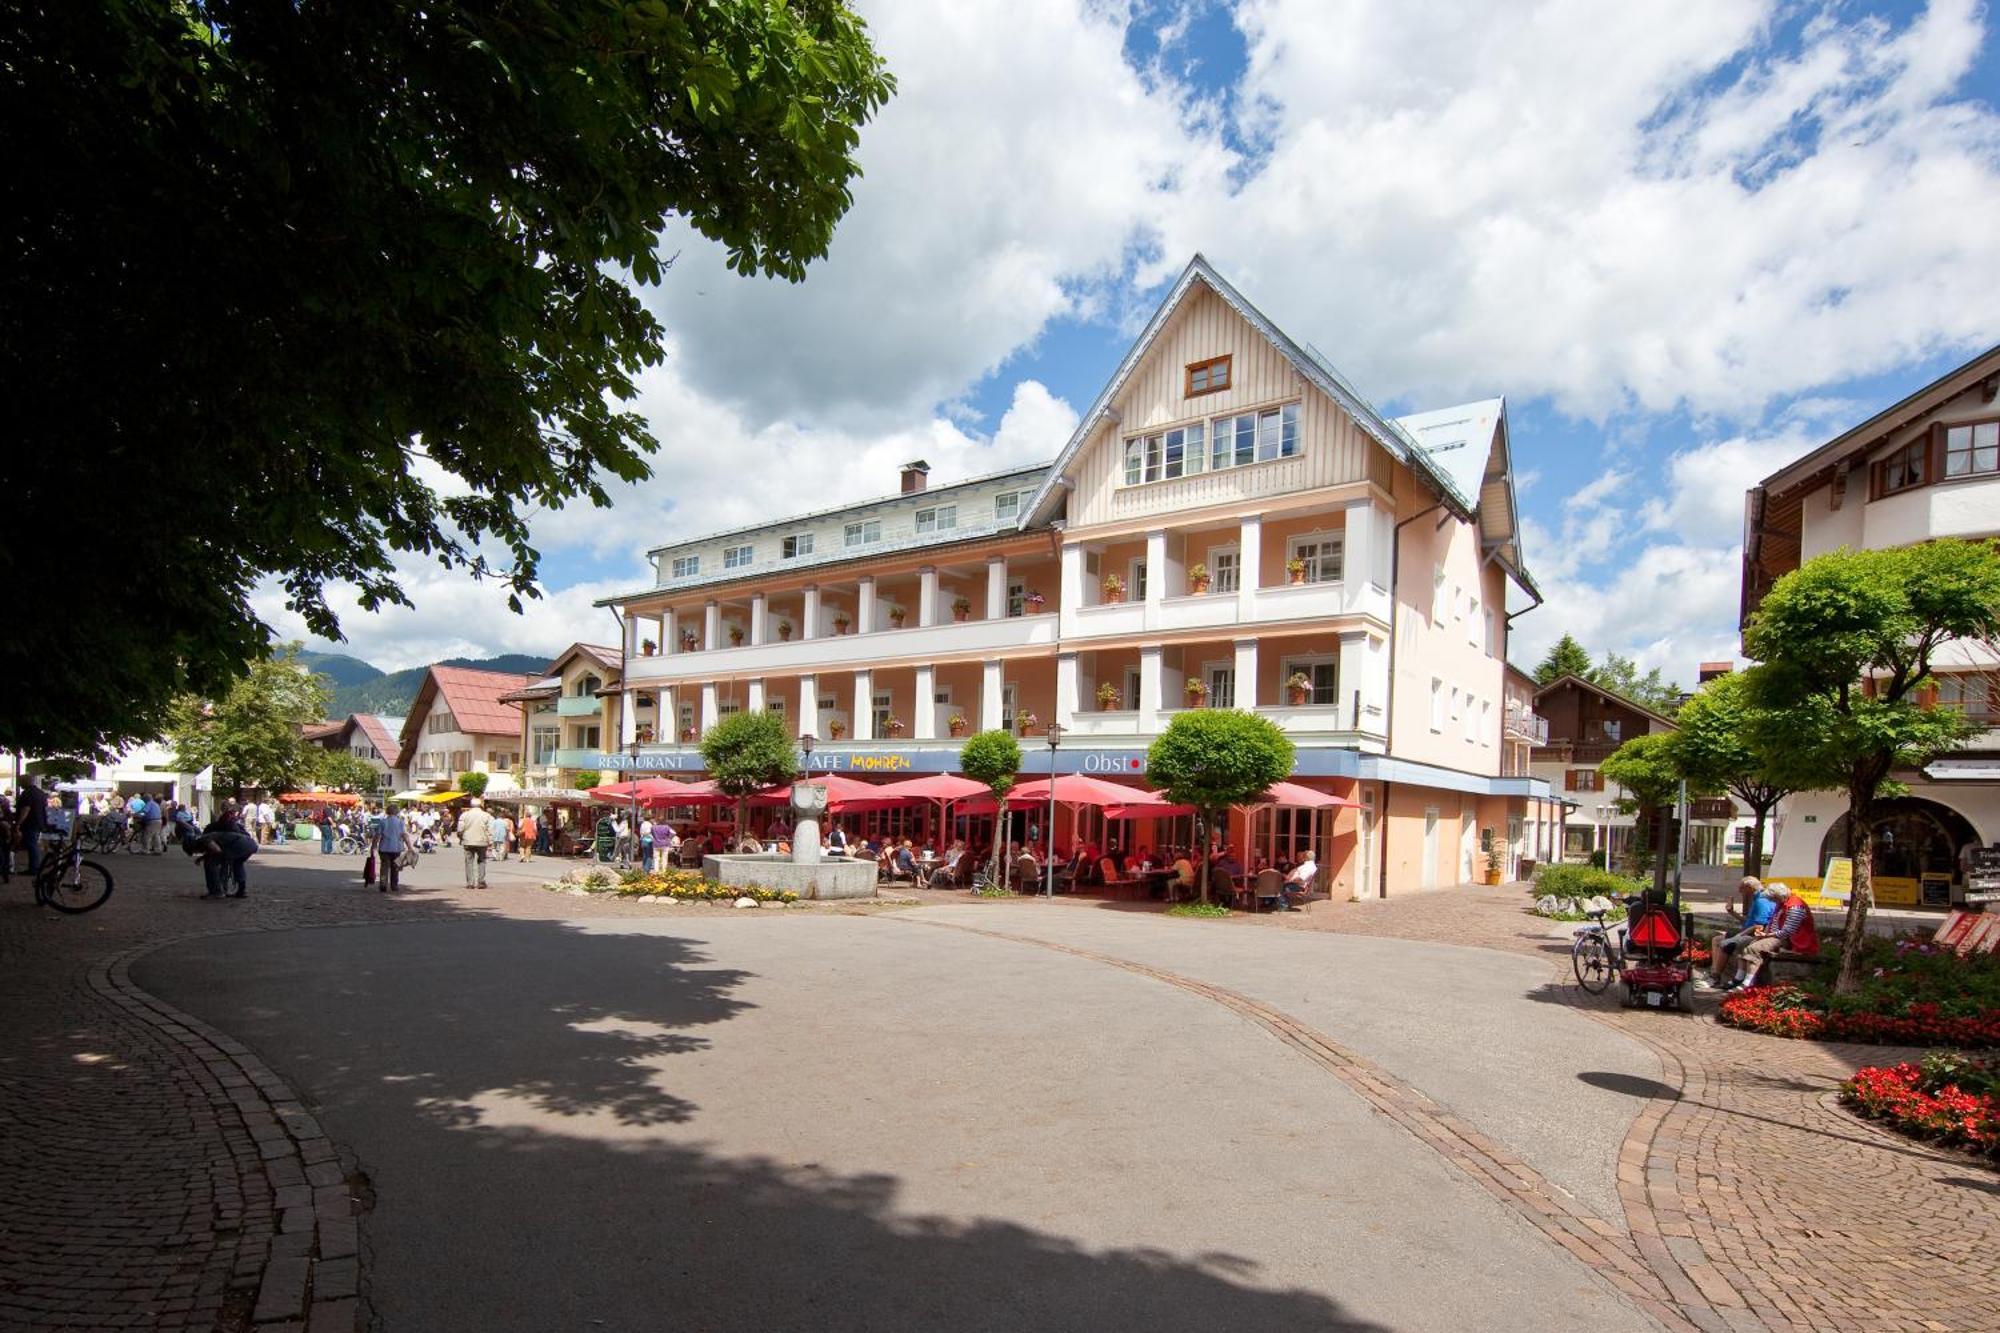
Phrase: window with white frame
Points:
(775, 707)
(1137, 582)
(1321, 554)
(879, 711)
(687, 718)
(686, 566)
(1437, 594)
(736, 557)
(1131, 699)
(797, 545)
(1437, 704)
(1322, 672)
(1972, 449)
(729, 708)
(1010, 697)
(1492, 633)
(865, 533)
(1254, 437)
(827, 703)
(1006, 506)
(942, 518)
(1221, 685)
(1164, 455)
(1017, 597)
(1225, 569)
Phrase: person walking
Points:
(646, 835)
(31, 819)
(526, 834)
(475, 836)
(392, 839)
(503, 834)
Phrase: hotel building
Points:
(1231, 525)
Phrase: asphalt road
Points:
(845, 1122)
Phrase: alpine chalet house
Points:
(1231, 525)
(1926, 468)
(459, 723)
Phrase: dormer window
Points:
(738, 557)
(1210, 376)
(796, 546)
(941, 519)
(686, 566)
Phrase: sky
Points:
(1687, 240)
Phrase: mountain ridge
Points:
(361, 687)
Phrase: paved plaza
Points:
(323, 1107)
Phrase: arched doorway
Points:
(1913, 837)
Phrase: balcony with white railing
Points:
(1524, 725)
(848, 651)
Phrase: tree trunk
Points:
(742, 823)
(1861, 849)
(1753, 853)
(1201, 855)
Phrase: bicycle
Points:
(66, 881)
(1596, 954)
(106, 836)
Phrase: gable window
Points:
(440, 721)
(863, 534)
(1162, 457)
(1972, 449)
(1321, 556)
(736, 557)
(1210, 376)
(1255, 437)
(686, 566)
(1323, 672)
(799, 545)
(1006, 507)
(941, 519)
(1903, 470)
(1225, 569)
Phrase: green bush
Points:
(994, 891)
(1579, 882)
(1198, 909)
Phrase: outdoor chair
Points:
(1113, 881)
(1270, 888)
(1027, 874)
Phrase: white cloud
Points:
(1704, 501)
(1667, 605)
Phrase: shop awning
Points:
(1294, 796)
(318, 798)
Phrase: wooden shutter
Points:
(1569, 779)
(1934, 463)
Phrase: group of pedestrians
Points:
(391, 843)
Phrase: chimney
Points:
(914, 475)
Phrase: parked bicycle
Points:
(66, 881)
(105, 836)
(1598, 952)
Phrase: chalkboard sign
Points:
(1982, 880)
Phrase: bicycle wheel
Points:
(81, 886)
(1592, 959)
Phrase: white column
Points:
(1249, 559)
(1156, 576)
(666, 725)
(709, 711)
(989, 696)
(755, 693)
(864, 705)
(757, 630)
(864, 606)
(1356, 676)
(809, 617)
(996, 587)
(1071, 591)
(631, 633)
(1066, 700)
(711, 626)
(927, 595)
(1357, 556)
(1246, 673)
(923, 726)
(628, 717)
(1149, 689)
(809, 706)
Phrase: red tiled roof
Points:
(320, 731)
(378, 734)
(471, 697)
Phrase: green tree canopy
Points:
(345, 771)
(1213, 758)
(994, 758)
(1721, 746)
(1620, 675)
(293, 289)
(472, 783)
(745, 753)
(253, 735)
(1846, 641)
(1566, 658)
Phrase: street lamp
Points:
(633, 778)
(1604, 833)
(1049, 861)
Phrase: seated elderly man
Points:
(1791, 928)
(1758, 910)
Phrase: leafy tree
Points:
(253, 735)
(473, 783)
(1648, 768)
(1846, 642)
(745, 753)
(1620, 675)
(586, 778)
(1213, 758)
(343, 771)
(293, 288)
(1720, 746)
(1566, 658)
(994, 758)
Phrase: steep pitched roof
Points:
(322, 731)
(472, 698)
(1610, 696)
(1470, 444)
(381, 732)
(1463, 500)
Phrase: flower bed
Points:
(1797, 1011)
(682, 885)
(1948, 1099)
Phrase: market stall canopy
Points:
(319, 798)
(1302, 798)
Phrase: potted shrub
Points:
(836, 728)
(1114, 590)
(687, 735)
(1196, 690)
(688, 640)
(1027, 722)
(1299, 687)
(897, 615)
(841, 622)
(647, 647)
(961, 607)
(785, 630)
(1033, 602)
(1197, 578)
(645, 733)
(1496, 864)
(957, 724)
(736, 636)
(1297, 569)
(1107, 696)
(893, 725)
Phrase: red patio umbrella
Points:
(1301, 798)
(1078, 789)
(841, 794)
(649, 791)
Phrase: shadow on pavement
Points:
(1631, 1085)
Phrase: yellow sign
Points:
(1895, 891)
(1838, 883)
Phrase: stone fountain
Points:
(803, 872)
